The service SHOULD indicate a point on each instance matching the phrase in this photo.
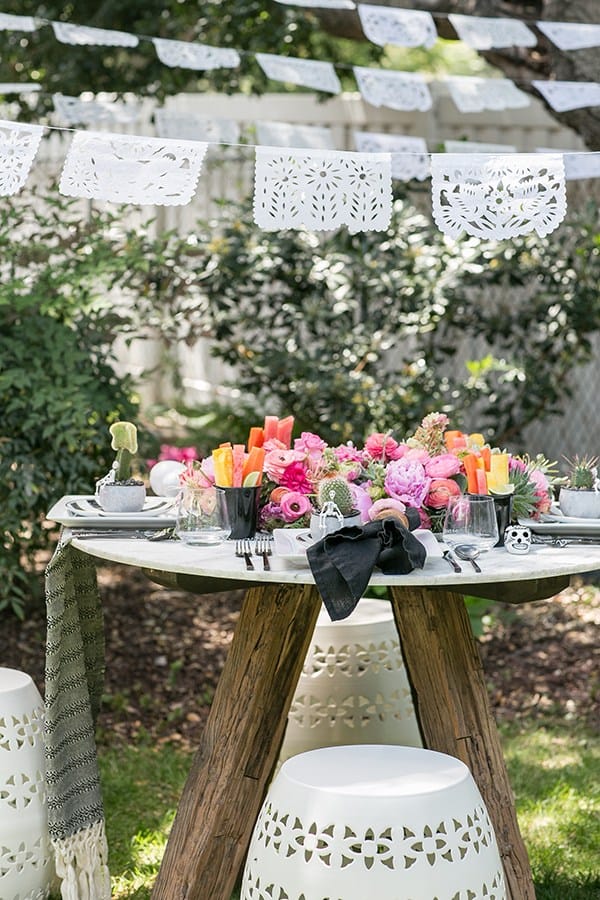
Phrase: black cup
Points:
(503, 504)
(242, 508)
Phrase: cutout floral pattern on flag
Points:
(322, 190)
(9, 22)
(485, 33)
(130, 169)
(577, 165)
(191, 127)
(287, 134)
(571, 35)
(565, 95)
(497, 197)
(384, 25)
(472, 94)
(310, 73)
(409, 154)
(18, 146)
(85, 35)
(188, 55)
(397, 90)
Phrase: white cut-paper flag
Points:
(498, 197)
(9, 22)
(18, 146)
(305, 72)
(191, 127)
(15, 87)
(287, 134)
(86, 36)
(473, 94)
(127, 168)
(409, 155)
(322, 190)
(477, 147)
(571, 35)
(565, 95)
(486, 33)
(384, 25)
(74, 111)
(397, 90)
(199, 57)
(577, 165)
(321, 4)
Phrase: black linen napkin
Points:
(342, 562)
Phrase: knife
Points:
(450, 559)
(124, 534)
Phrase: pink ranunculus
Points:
(276, 461)
(293, 505)
(386, 503)
(348, 453)
(273, 444)
(440, 491)
(310, 444)
(407, 481)
(443, 466)
(294, 478)
(383, 446)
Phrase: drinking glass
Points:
(471, 521)
(202, 516)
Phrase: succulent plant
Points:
(124, 441)
(582, 474)
(335, 490)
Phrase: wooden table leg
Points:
(240, 744)
(452, 707)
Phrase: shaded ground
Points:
(165, 650)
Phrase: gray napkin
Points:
(342, 563)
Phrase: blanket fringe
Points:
(81, 864)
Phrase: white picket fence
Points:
(228, 174)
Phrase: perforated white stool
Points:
(26, 866)
(353, 688)
(391, 823)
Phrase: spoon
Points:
(469, 553)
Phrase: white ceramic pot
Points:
(579, 504)
(332, 523)
(122, 498)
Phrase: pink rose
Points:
(276, 461)
(293, 505)
(440, 491)
(382, 446)
(310, 444)
(294, 478)
(386, 503)
(443, 466)
(348, 453)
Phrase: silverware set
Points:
(262, 548)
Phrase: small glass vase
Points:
(201, 517)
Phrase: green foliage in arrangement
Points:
(58, 387)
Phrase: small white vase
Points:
(579, 504)
(332, 523)
(121, 498)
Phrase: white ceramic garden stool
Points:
(391, 823)
(26, 867)
(353, 688)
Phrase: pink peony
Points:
(407, 481)
(277, 461)
(310, 444)
(294, 478)
(382, 446)
(348, 453)
(440, 491)
(443, 466)
(293, 505)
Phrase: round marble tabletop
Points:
(498, 566)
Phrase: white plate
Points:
(555, 515)
(563, 527)
(291, 544)
(77, 511)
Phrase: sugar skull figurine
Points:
(517, 539)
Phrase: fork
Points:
(262, 547)
(244, 550)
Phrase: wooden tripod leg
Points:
(452, 707)
(239, 747)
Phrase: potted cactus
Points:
(579, 496)
(118, 491)
(335, 505)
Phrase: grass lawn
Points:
(554, 769)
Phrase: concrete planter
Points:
(579, 504)
(122, 498)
